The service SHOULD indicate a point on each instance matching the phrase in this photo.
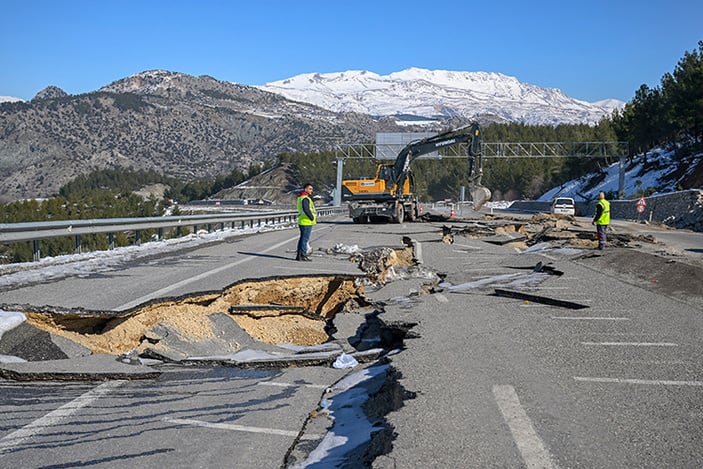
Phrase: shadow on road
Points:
(270, 256)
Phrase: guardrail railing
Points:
(35, 231)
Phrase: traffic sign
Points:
(641, 204)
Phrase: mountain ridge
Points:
(441, 94)
(191, 127)
(176, 124)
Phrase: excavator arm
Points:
(470, 134)
(393, 182)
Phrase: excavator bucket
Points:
(479, 195)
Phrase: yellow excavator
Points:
(391, 193)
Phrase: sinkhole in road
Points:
(271, 310)
(296, 310)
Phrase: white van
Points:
(564, 206)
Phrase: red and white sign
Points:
(641, 204)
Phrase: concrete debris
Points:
(377, 263)
(559, 230)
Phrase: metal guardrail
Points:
(35, 231)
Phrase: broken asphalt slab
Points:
(97, 367)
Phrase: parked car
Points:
(564, 206)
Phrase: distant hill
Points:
(175, 124)
(279, 185)
(198, 127)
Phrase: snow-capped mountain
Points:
(440, 94)
(9, 99)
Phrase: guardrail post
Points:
(35, 250)
(138, 237)
(209, 227)
(111, 240)
(160, 234)
(77, 244)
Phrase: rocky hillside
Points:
(179, 125)
(279, 185)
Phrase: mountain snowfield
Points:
(418, 93)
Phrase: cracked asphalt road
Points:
(471, 356)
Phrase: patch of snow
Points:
(86, 264)
(9, 320)
(351, 428)
(10, 99)
(637, 178)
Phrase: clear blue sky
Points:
(591, 50)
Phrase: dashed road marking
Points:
(656, 382)
(590, 318)
(56, 416)
(530, 445)
(633, 344)
(241, 428)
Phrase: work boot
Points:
(305, 258)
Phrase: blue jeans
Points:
(305, 232)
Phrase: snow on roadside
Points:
(636, 179)
(352, 427)
(85, 264)
(8, 321)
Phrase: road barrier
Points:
(35, 231)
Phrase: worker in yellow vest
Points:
(307, 218)
(601, 219)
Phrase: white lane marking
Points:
(242, 428)
(633, 344)
(659, 382)
(182, 283)
(441, 298)
(54, 417)
(590, 318)
(291, 385)
(530, 445)
(655, 362)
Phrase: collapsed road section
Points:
(279, 321)
(272, 322)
